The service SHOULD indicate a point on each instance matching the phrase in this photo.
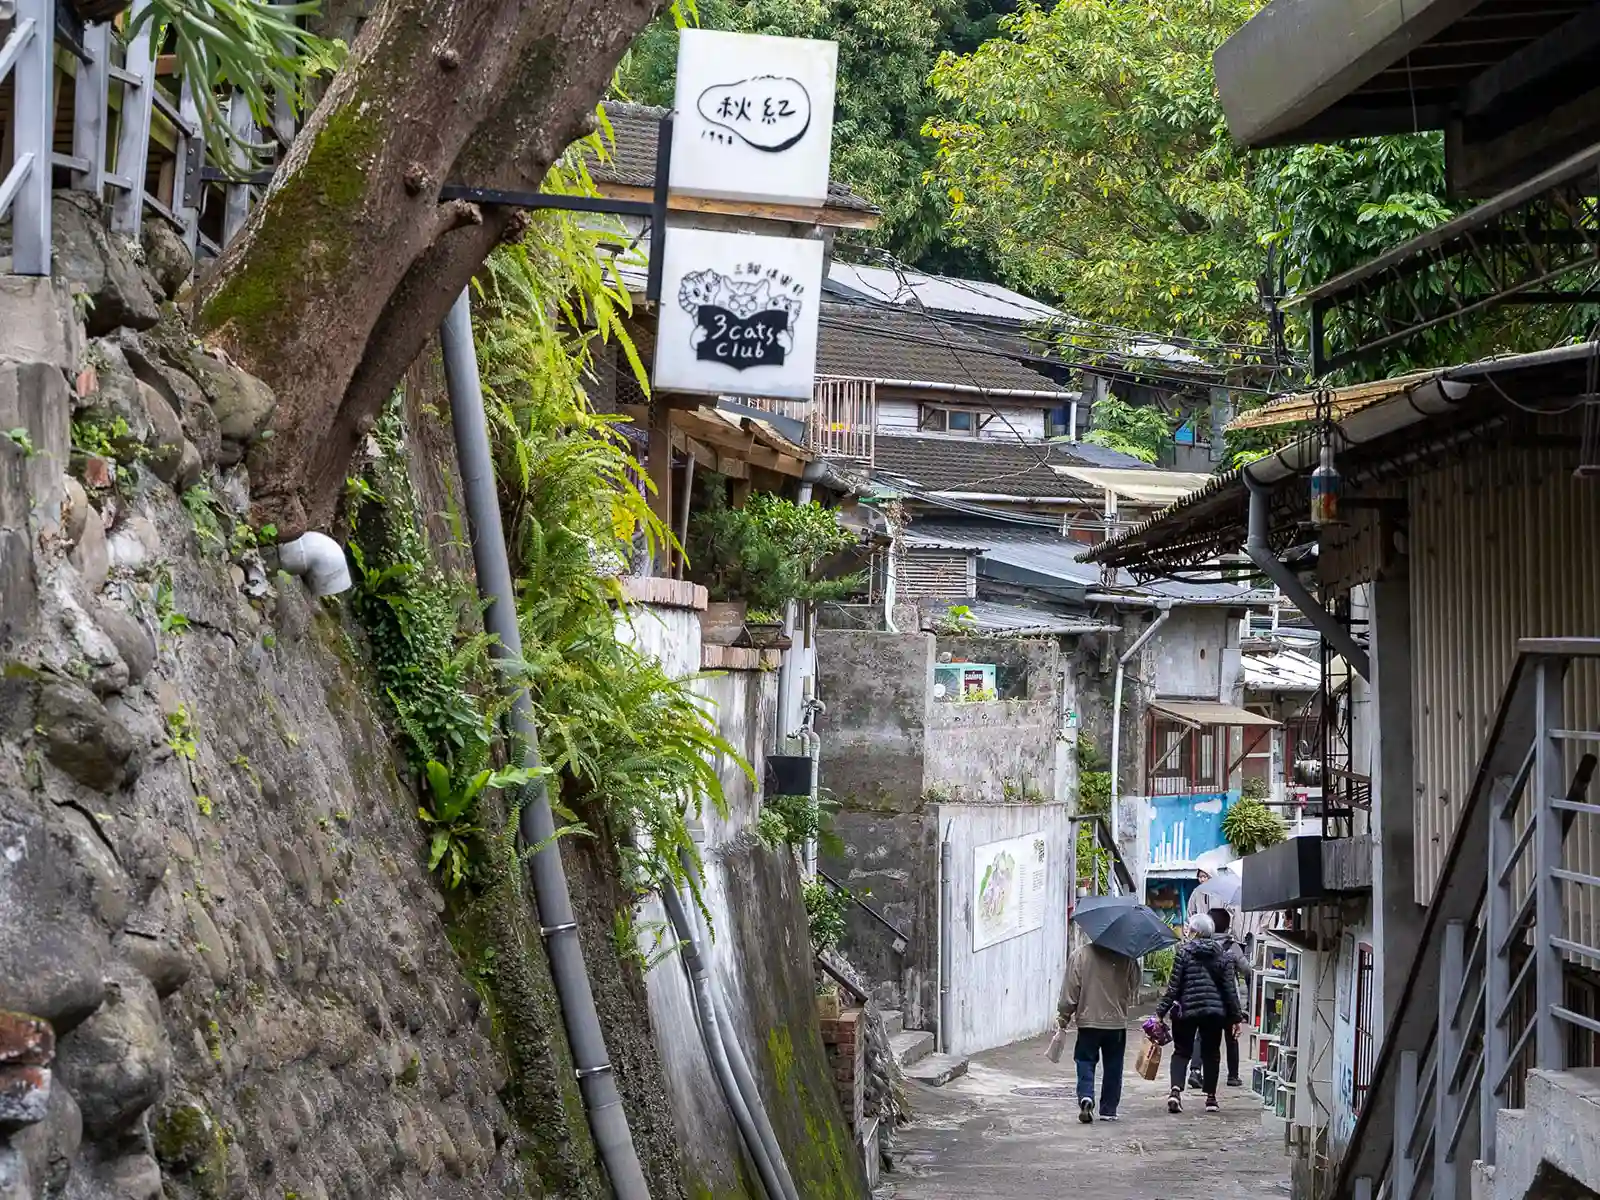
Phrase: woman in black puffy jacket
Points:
(1203, 998)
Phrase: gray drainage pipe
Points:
(1260, 553)
(559, 926)
(705, 1009)
(745, 1078)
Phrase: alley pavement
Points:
(979, 1138)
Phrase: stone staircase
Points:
(913, 1050)
(1549, 1149)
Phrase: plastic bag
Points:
(1057, 1045)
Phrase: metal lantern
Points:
(1326, 484)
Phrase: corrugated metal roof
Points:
(1016, 552)
(1282, 671)
(993, 617)
(1147, 486)
(940, 293)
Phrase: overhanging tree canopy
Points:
(351, 260)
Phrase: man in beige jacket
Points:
(1100, 987)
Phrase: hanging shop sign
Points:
(754, 117)
(738, 315)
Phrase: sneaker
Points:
(1105, 1116)
(1235, 1081)
(1195, 1081)
(1175, 1101)
(1086, 1111)
(1212, 1105)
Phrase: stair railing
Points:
(1485, 999)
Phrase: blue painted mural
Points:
(1186, 831)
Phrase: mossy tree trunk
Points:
(352, 260)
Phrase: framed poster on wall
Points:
(1009, 882)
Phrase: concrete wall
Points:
(1190, 653)
(878, 689)
(1006, 991)
(758, 943)
(893, 758)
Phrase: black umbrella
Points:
(1123, 925)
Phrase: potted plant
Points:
(763, 556)
(763, 629)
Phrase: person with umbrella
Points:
(1101, 985)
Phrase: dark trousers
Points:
(1208, 1032)
(1230, 1042)
(1108, 1046)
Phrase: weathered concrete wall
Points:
(1006, 991)
(1189, 654)
(878, 689)
(892, 757)
(758, 944)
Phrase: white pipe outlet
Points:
(319, 560)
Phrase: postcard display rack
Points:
(1274, 1037)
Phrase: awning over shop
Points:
(1141, 487)
(1210, 712)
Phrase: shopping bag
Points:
(1057, 1045)
(1148, 1064)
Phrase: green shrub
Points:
(826, 909)
(1250, 826)
(767, 552)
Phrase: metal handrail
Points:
(26, 58)
(902, 940)
(1475, 1051)
(1103, 838)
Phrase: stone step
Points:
(911, 1046)
(894, 1022)
(936, 1070)
(1559, 1129)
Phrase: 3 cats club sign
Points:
(738, 314)
(754, 123)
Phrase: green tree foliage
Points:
(1138, 430)
(1087, 148)
(886, 50)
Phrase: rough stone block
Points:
(242, 403)
(37, 323)
(34, 397)
(18, 591)
(84, 739)
(98, 265)
(26, 1041)
(118, 1062)
(24, 1095)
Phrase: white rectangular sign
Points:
(1010, 881)
(738, 314)
(754, 117)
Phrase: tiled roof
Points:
(635, 128)
(949, 464)
(859, 342)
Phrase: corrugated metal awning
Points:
(1142, 487)
(1209, 712)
